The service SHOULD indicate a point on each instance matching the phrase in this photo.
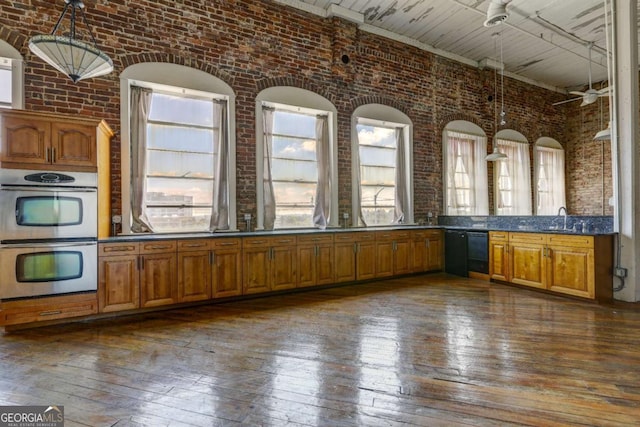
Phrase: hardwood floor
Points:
(431, 350)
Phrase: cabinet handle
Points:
(427, 243)
(51, 313)
(46, 155)
(53, 155)
(210, 257)
(395, 246)
(355, 248)
(548, 252)
(258, 242)
(192, 245)
(227, 244)
(118, 249)
(141, 263)
(160, 247)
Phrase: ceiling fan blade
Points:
(566, 100)
(604, 91)
(577, 92)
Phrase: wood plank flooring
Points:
(432, 350)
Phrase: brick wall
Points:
(253, 44)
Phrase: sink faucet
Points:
(562, 208)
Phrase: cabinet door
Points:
(25, 140)
(325, 264)
(255, 272)
(73, 144)
(571, 271)
(498, 260)
(527, 264)
(345, 261)
(401, 257)
(118, 283)
(384, 259)
(306, 265)
(366, 260)
(227, 272)
(158, 284)
(435, 249)
(194, 275)
(419, 253)
(283, 265)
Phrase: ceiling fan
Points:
(590, 95)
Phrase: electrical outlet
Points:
(620, 272)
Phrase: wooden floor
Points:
(431, 350)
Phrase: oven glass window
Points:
(47, 211)
(49, 266)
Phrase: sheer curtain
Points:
(220, 208)
(550, 185)
(355, 153)
(140, 106)
(468, 188)
(518, 167)
(323, 190)
(402, 196)
(267, 187)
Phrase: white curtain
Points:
(468, 195)
(402, 196)
(267, 182)
(355, 153)
(140, 106)
(323, 190)
(220, 208)
(550, 180)
(518, 169)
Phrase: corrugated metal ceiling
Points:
(545, 41)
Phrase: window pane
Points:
(290, 194)
(375, 135)
(168, 191)
(293, 170)
(179, 219)
(378, 196)
(180, 164)
(294, 124)
(378, 216)
(5, 86)
(303, 149)
(177, 109)
(181, 138)
(370, 175)
(377, 156)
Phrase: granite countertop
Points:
(237, 233)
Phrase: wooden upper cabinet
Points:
(41, 141)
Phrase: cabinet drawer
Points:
(501, 236)
(257, 242)
(571, 241)
(284, 240)
(355, 237)
(220, 243)
(315, 238)
(528, 237)
(426, 234)
(114, 249)
(44, 309)
(160, 246)
(194, 245)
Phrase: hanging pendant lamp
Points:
(69, 55)
(497, 155)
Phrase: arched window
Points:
(382, 166)
(178, 150)
(11, 77)
(296, 159)
(549, 189)
(512, 175)
(465, 168)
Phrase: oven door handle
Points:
(52, 189)
(46, 245)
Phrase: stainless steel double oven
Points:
(48, 232)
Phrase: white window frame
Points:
(301, 100)
(376, 115)
(11, 59)
(481, 206)
(166, 77)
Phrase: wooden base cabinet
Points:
(393, 253)
(315, 259)
(574, 265)
(194, 270)
(269, 264)
(226, 267)
(158, 284)
(118, 277)
(426, 252)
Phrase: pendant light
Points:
(66, 53)
(497, 155)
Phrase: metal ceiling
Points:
(544, 41)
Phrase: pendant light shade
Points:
(496, 155)
(66, 53)
(604, 134)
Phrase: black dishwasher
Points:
(478, 251)
(455, 252)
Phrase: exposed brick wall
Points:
(254, 44)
